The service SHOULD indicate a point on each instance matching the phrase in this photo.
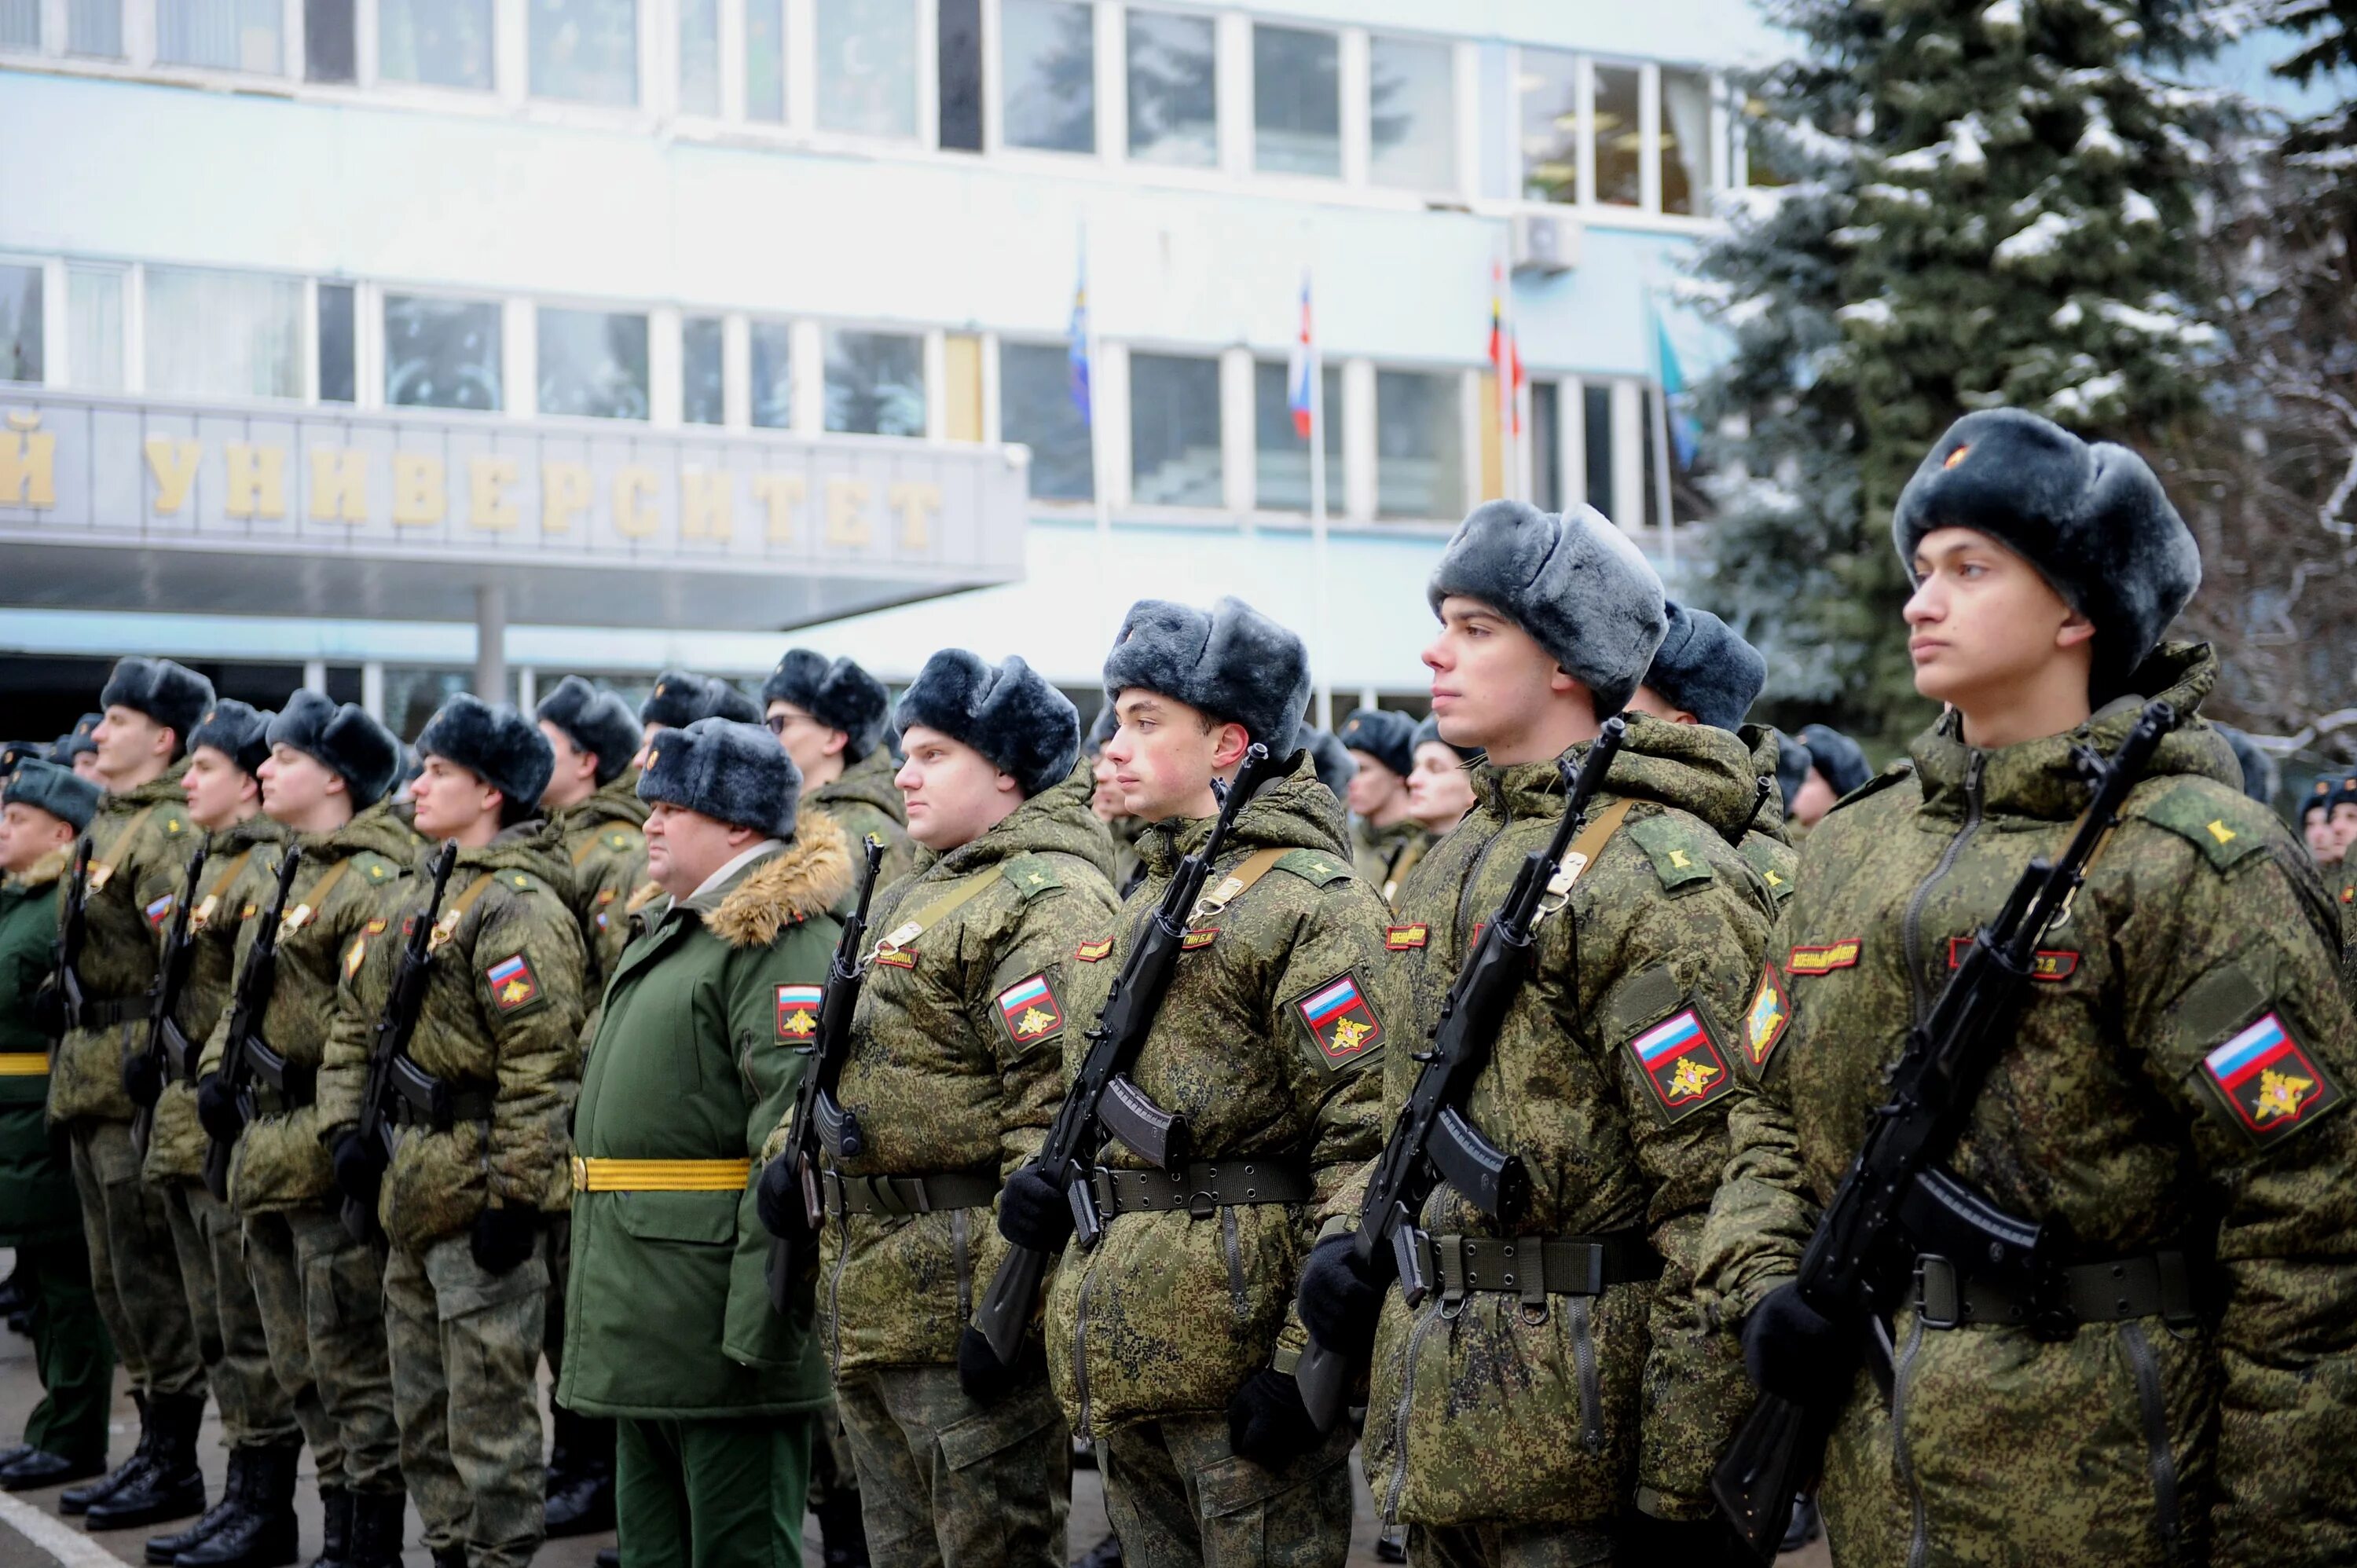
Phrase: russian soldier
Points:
(831, 717)
(2316, 828)
(1386, 840)
(1440, 789)
(1704, 674)
(2165, 1107)
(1836, 764)
(681, 698)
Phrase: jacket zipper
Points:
(1581, 1310)
(1081, 1353)
(1231, 1244)
(1399, 1416)
(834, 1296)
(2155, 1410)
(1919, 1539)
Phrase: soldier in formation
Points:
(1386, 840)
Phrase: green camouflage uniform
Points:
(318, 1290)
(950, 1073)
(863, 800)
(38, 1215)
(2113, 1109)
(1150, 1334)
(669, 1322)
(1504, 1429)
(501, 1017)
(256, 1407)
(1384, 856)
(1767, 843)
(140, 845)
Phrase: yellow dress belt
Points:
(23, 1064)
(592, 1175)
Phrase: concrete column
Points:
(315, 675)
(491, 642)
(372, 689)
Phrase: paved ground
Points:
(49, 1541)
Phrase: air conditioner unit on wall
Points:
(1545, 242)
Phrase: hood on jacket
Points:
(866, 782)
(616, 800)
(1057, 820)
(1294, 811)
(804, 878)
(376, 830)
(1767, 751)
(162, 789)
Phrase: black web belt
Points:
(1536, 1267)
(113, 1010)
(902, 1195)
(1202, 1188)
(2152, 1284)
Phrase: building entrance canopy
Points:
(111, 502)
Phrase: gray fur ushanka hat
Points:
(733, 773)
(1793, 765)
(496, 744)
(1841, 760)
(172, 694)
(1231, 663)
(1336, 767)
(52, 787)
(1573, 580)
(1705, 667)
(1007, 711)
(237, 731)
(595, 722)
(838, 693)
(682, 696)
(1387, 736)
(346, 741)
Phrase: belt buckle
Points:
(580, 1174)
(1939, 1297)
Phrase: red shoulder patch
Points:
(1405, 939)
(1825, 958)
(2266, 1081)
(1092, 952)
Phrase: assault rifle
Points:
(58, 1005)
(168, 1047)
(248, 1003)
(394, 1026)
(1432, 1141)
(1847, 1273)
(1102, 1099)
(817, 1119)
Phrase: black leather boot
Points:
(78, 1499)
(580, 1476)
(611, 1557)
(34, 1468)
(842, 1533)
(377, 1526)
(336, 1545)
(262, 1534)
(450, 1557)
(172, 1488)
(162, 1549)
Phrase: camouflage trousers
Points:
(133, 1265)
(254, 1406)
(712, 1494)
(1177, 1496)
(1510, 1546)
(945, 1480)
(465, 1364)
(322, 1303)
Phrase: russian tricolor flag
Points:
(1336, 998)
(1668, 1040)
(1300, 389)
(2254, 1051)
(500, 974)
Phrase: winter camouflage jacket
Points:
(957, 1064)
(1611, 1078)
(140, 844)
(608, 856)
(239, 866)
(1767, 843)
(1384, 856)
(667, 1313)
(501, 1014)
(863, 800)
(2175, 1080)
(1169, 1315)
(279, 1163)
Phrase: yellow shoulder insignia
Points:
(1030, 876)
(2227, 828)
(521, 881)
(1315, 866)
(1677, 854)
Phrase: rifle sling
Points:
(1587, 846)
(1233, 885)
(965, 891)
(447, 924)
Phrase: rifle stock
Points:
(249, 1002)
(394, 1026)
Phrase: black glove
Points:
(358, 1171)
(1791, 1349)
(1690, 1543)
(503, 1238)
(217, 1108)
(143, 1076)
(1341, 1297)
(778, 1199)
(985, 1379)
(1268, 1423)
(1033, 1211)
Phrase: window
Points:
(1620, 178)
(441, 43)
(335, 335)
(699, 57)
(875, 383)
(957, 76)
(1173, 89)
(1297, 102)
(227, 34)
(220, 333)
(593, 362)
(441, 353)
(1036, 407)
(328, 53)
(773, 381)
(703, 381)
(94, 27)
(1596, 438)
(1546, 445)
(867, 66)
(1419, 444)
(586, 50)
(20, 324)
(1686, 141)
(94, 327)
(1550, 145)
(20, 24)
(1411, 114)
(1174, 431)
(1048, 52)
(1281, 464)
(765, 61)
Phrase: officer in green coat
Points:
(140, 844)
(955, 1069)
(1164, 1340)
(2167, 1105)
(669, 1324)
(1386, 840)
(46, 806)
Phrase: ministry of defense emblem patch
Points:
(2267, 1081)
(797, 1012)
(1342, 1021)
(513, 984)
(1029, 1010)
(1682, 1063)
(1765, 1021)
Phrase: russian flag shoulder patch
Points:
(2266, 1081)
(1682, 1064)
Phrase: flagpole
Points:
(1509, 468)
(1661, 400)
(1318, 555)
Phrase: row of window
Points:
(1076, 77)
(213, 334)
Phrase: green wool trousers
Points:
(712, 1494)
(71, 1349)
